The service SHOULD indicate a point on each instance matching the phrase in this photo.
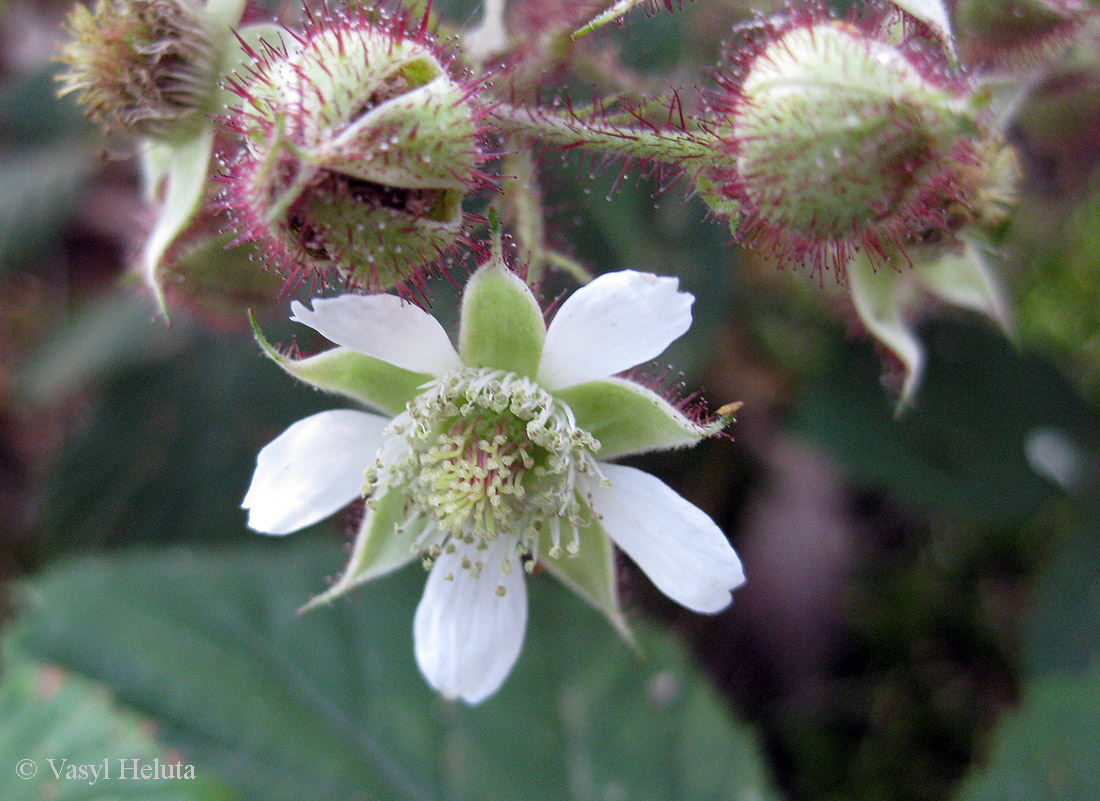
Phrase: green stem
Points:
(568, 265)
(523, 199)
(591, 129)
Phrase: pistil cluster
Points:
(141, 67)
(490, 454)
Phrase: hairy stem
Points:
(626, 135)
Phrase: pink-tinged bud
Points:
(359, 147)
(141, 67)
(835, 140)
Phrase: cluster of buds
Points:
(347, 149)
(359, 147)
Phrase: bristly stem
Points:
(626, 133)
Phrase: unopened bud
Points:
(837, 141)
(359, 148)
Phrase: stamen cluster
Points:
(490, 454)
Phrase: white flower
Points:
(486, 462)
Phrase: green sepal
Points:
(628, 418)
(185, 179)
(432, 130)
(965, 279)
(933, 13)
(155, 161)
(385, 543)
(375, 383)
(880, 297)
(591, 574)
(225, 12)
(502, 323)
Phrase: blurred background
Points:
(922, 614)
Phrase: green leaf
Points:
(373, 382)
(171, 438)
(1047, 749)
(967, 445)
(50, 714)
(502, 324)
(109, 333)
(628, 418)
(1063, 628)
(32, 114)
(330, 705)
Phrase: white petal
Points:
(385, 327)
(612, 324)
(681, 549)
(467, 637)
(312, 469)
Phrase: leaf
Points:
(330, 704)
(109, 333)
(172, 439)
(1063, 630)
(966, 446)
(49, 715)
(1047, 749)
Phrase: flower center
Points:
(490, 454)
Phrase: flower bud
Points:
(359, 148)
(836, 141)
(141, 67)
